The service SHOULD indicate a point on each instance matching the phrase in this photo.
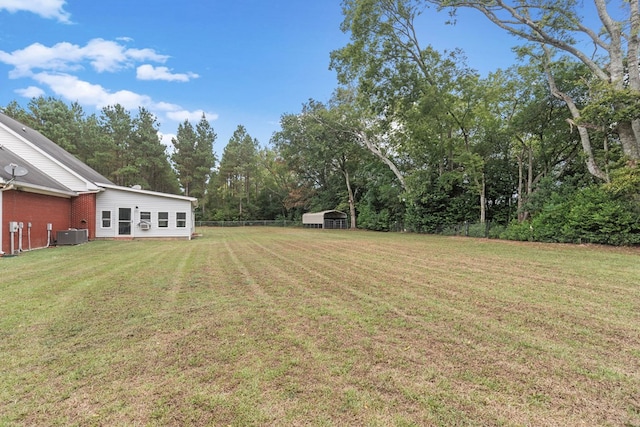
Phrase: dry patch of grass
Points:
(258, 326)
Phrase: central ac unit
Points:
(72, 237)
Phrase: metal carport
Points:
(326, 219)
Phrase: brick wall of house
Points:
(83, 213)
(37, 209)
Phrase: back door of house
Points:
(124, 221)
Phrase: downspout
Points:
(20, 228)
(1, 220)
(49, 228)
(5, 187)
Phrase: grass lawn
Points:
(272, 326)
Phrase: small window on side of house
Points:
(106, 219)
(181, 219)
(145, 217)
(163, 219)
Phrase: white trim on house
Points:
(39, 189)
(193, 200)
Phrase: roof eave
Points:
(38, 189)
(193, 200)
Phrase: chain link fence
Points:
(250, 223)
(489, 230)
(466, 229)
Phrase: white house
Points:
(46, 192)
(124, 212)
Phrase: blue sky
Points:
(241, 62)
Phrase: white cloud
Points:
(61, 57)
(53, 68)
(31, 92)
(149, 72)
(165, 138)
(49, 9)
(102, 55)
(167, 106)
(192, 116)
(74, 89)
(146, 55)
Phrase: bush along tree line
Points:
(413, 138)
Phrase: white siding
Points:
(113, 199)
(43, 162)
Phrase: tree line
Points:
(127, 149)
(414, 138)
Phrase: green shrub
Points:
(522, 231)
(369, 219)
(596, 214)
(547, 226)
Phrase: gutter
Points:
(39, 189)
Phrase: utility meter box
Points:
(13, 226)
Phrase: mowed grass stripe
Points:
(266, 316)
(259, 326)
(305, 323)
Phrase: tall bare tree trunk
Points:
(585, 140)
(520, 185)
(525, 214)
(352, 204)
(483, 200)
(378, 152)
